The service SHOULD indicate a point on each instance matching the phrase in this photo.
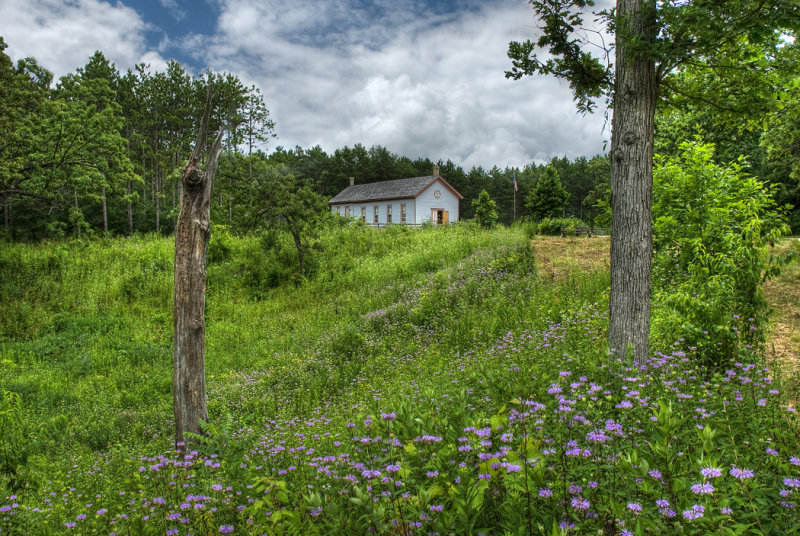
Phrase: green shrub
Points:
(485, 210)
(712, 227)
(220, 245)
(530, 228)
(553, 226)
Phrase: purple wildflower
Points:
(696, 512)
(740, 473)
(580, 503)
(705, 488)
(711, 472)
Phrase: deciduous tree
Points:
(276, 199)
(653, 41)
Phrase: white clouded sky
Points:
(424, 79)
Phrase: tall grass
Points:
(85, 326)
(415, 382)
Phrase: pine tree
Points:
(548, 198)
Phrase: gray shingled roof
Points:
(378, 191)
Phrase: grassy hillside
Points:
(416, 382)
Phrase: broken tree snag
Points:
(192, 232)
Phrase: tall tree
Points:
(192, 232)
(653, 41)
(548, 198)
(276, 199)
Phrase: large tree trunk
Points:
(191, 247)
(635, 95)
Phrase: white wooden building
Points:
(411, 201)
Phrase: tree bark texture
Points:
(192, 233)
(635, 96)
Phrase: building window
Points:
(375, 216)
(347, 211)
(363, 213)
(402, 212)
(388, 213)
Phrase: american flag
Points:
(515, 182)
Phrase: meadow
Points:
(435, 381)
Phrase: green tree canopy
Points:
(274, 198)
(485, 209)
(548, 198)
(653, 43)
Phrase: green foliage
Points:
(13, 446)
(712, 226)
(420, 381)
(485, 210)
(20, 442)
(561, 20)
(530, 228)
(548, 198)
(555, 226)
(275, 200)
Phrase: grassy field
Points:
(436, 381)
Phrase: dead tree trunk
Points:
(191, 246)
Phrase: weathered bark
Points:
(635, 96)
(191, 247)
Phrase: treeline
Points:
(100, 151)
(584, 179)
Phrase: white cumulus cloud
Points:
(63, 35)
(422, 84)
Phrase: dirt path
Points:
(557, 257)
(783, 295)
